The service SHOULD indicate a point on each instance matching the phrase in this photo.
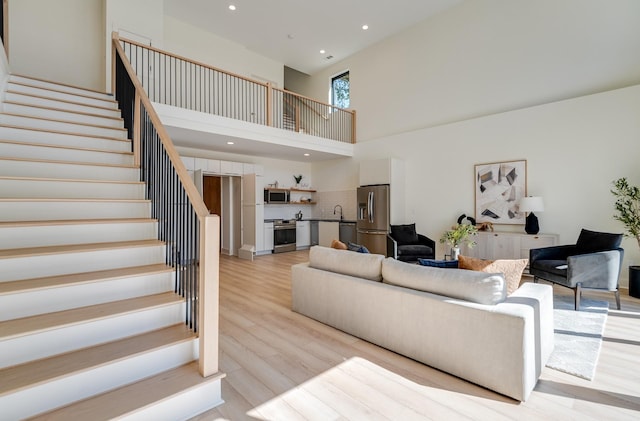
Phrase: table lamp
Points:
(531, 204)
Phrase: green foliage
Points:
(298, 178)
(458, 234)
(627, 207)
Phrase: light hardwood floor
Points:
(284, 366)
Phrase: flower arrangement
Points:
(458, 234)
(298, 178)
(628, 207)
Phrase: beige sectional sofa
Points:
(456, 320)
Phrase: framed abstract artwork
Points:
(499, 187)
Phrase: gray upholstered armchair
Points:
(594, 262)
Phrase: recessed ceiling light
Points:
(307, 154)
(229, 143)
(232, 7)
(365, 27)
(322, 51)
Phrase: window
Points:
(340, 90)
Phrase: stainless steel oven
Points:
(284, 235)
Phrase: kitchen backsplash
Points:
(325, 202)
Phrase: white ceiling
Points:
(293, 32)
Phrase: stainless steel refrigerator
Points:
(373, 217)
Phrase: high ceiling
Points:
(294, 31)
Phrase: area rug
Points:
(578, 335)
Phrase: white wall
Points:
(489, 56)
(574, 150)
(58, 40)
(189, 41)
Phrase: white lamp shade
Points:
(531, 204)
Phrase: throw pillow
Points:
(447, 264)
(405, 234)
(593, 241)
(512, 269)
(337, 244)
(357, 247)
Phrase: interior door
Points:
(211, 194)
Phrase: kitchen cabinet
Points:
(303, 235)
(268, 237)
(327, 232)
(507, 245)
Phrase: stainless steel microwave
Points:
(276, 196)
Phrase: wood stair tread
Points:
(9, 91)
(74, 222)
(134, 396)
(53, 161)
(32, 373)
(108, 100)
(75, 148)
(62, 199)
(70, 180)
(40, 251)
(13, 287)
(55, 120)
(66, 85)
(56, 320)
(42, 107)
(61, 132)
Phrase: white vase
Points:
(455, 252)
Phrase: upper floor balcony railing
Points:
(174, 80)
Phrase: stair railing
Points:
(190, 233)
(174, 80)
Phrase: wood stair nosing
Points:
(35, 284)
(58, 91)
(133, 397)
(71, 180)
(75, 222)
(65, 133)
(81, 104)
(65, 85)
(52, 161)
(73, 248)
(36, 372)
(71, 122)
(68, 147)
(70, 200)
(30, 325)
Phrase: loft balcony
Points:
(206, 108)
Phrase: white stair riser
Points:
(61, 115)
(64, 339)
(182, 406)
(15, 306)
(78, 141)
(55, 86)
(53, 210)
(17, 168)
(67, 234)
(18, 268)
(59, 126)
(31, 90)
(66, 390)
(25, 150)
(54, 103)
(69, 189)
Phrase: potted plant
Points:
(298, 179)
(628, 212)
(458, 234)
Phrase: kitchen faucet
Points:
(334, 211)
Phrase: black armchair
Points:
(405, 244)
(594, 262)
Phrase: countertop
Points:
(347, 221)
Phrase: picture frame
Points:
(499, 186)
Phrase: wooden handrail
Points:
(209, 227)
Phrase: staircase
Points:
(90, 327)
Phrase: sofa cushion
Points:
(339, 245)
(447, 264)
(405, 234)
(361, 265)
(477, 287)
(357, 247)
(593, 241)
(512, 269)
